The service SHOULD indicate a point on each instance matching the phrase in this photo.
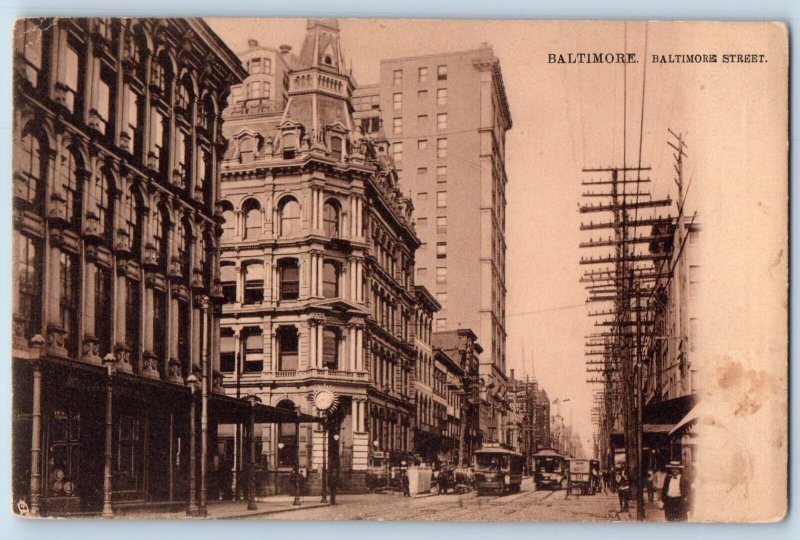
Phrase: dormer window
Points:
(336, 148)
(328, 60)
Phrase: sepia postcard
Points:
(424, 270)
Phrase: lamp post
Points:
(334, 471)
(251, 477)
(192, 382)
(324, 461)
(109, 361)
(296, 468)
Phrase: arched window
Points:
(287, 439)
(289, 216)
(289, 279)
(104, 201)
(160, 236)
(252, 219)
(330, 219)
(330, 348)
(287, 348)
(330, 279)
(229, 221)
(71, 185)
(31, 162)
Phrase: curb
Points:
(254, 513)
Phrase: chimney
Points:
(285, 49)
(512, 374)
(252, 43)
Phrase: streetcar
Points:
(498, 470)
(551, 469)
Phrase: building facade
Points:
(116, 137)
(446, 116)
(317, 268)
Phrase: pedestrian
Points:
(650, 486)
(624, 491)
(658, 482)
(405, 481)
(675, 492)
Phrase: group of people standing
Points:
(671, 484)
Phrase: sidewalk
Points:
(233, 509)
(651, 511)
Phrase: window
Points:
(397, 76)
(71, 186)
(289, 279)
(28, 282)
(441, 324)
(253, 351)
(289, 218)
(227, 278)
(330, 348)
(70, 83)
(254, 90)
(441, 73)
(423, 247)
(330, 279)
(255, 65)
(183, 152)
(254, 283)
(441, 96)
(422, 272)
(229, 221)
(287, 348)
(397, 101)
(160, 143)
(160, 318)
(330, 219)
(441, 199)
(422, 170)
(422, 74)
(441, 297)
(28, 37)
(227, 351)
(64, 450)
(441, 250)
(104, 198)
(422, 120)
(441, 121)
(131, 122)
(31, 163)
(397, 126)
(441, 224)
(422, 95)
(397, 152)
(422, 222)
(267, 65)
(160, 235)
(441, 148)
(133, 310)
(68, 303)
(441, 274)
(103, 109)
(336, 148)
(441, 174)
(287, 436)
(203, 180)
(185, 248)
(422, 196)
(422, 144)
(236, 94)
(247, 147)
(252, 219)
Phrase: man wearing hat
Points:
(674, 493)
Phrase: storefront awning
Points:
(697, 413)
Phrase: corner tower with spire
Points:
(317, 263)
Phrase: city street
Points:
(529, 505)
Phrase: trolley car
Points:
(498, 470)
(551, 469)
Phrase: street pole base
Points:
(296, 501)
(107, 512)
(324, 499)
(251, 505)
(202, 512)
(191, 512)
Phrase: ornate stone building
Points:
(317, 271)
(116, 133)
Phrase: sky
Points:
(565, 118)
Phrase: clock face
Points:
(323, 400)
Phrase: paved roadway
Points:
(528, 505)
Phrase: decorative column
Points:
(251, 477)
(90, 352)
(191, 510)
(206, 381)
(314, 274)
(312, 342)
(150, 360)
(121, 294)
(37, 344)
(320, 330)
(239, 283)
(359, 357)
